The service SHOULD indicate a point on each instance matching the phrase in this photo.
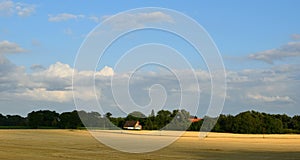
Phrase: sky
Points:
(258, 41)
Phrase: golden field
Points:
(79, 144)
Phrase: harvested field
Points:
(79, 144)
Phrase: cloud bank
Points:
(289, 50)
(274, 87)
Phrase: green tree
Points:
(152, 114)
(70, 120)
(3, 120)
(108, 115)
(162, 118)
(15, 120)
(43, 118)
(295, 123)
(137, 114)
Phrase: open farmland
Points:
(79, 144)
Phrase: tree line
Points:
(250, 122)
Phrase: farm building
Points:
(132, 125)
(194, 119)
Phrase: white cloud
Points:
(153, 17)
(24, 10)
(125, 20)
(106, 71)
(268, 88)
(57, 70)
(64, 17)
(55, 82)
(295, 36)
(275, 99)
(291, 49)
(42, 94)
(7, 47)
(8, 8)
(69, 16)
(12, 77)
(95, 19)
(138, 19)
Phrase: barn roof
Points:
(130, 123)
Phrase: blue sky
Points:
(238, 28)
(258, 40)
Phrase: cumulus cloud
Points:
(7, 47)
(8, 8)
(291, 49)
(53, 84)
(106, 71)
(11, 76)
(58, 70)
(265, 90)
(64, 17)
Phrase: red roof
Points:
(195, 119)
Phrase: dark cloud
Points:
(10, 74)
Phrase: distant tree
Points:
(285, 119)
(152, 114)
(295, 123)
(118, 122)
(162, 118)
(224, 123)
(180, 120)
(208, 123)
(272, 125)
(3, 120)
(174, 113)
(195, 126)
(108, 115)
(43, 118)
(246, 122)
(148, 123)
(70, 120)
(93, 119)
(137, 114)
(15, 120)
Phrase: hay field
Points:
(79, 144)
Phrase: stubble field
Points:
(79, 144)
